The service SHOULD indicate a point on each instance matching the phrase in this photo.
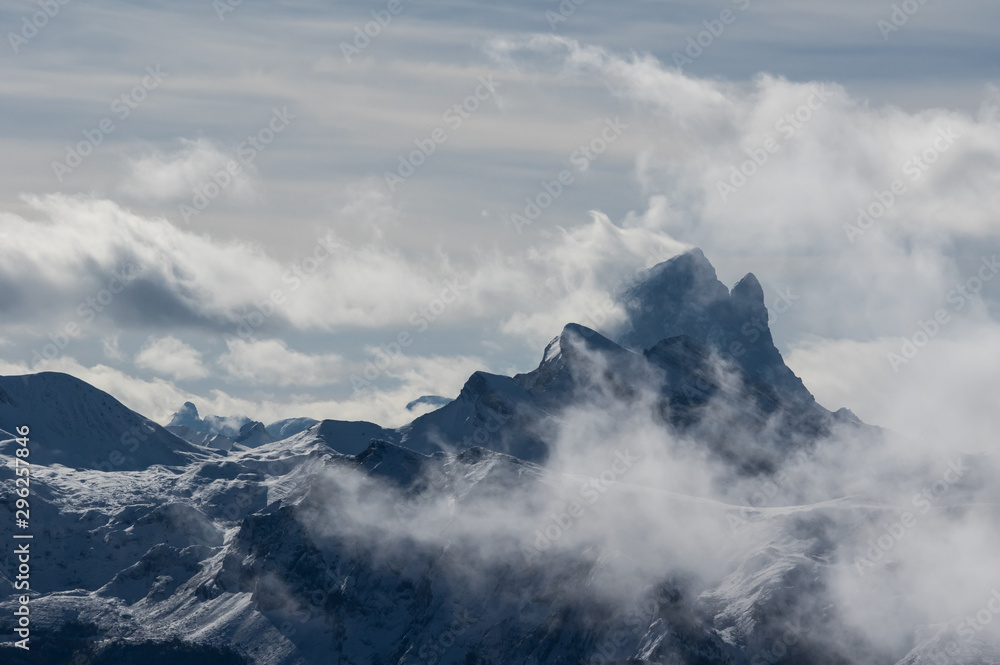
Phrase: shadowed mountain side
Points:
(74, 424)
(683, 296)
(744, 420)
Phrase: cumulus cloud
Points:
(169, 355)
(569, 274)
(164, 275)
(271, 362)
(111, 350)
(78, 245)
(830, 154)
(159, 176)
(941, 395)
(833, 152)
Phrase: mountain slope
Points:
(741, 418)
(76, 425)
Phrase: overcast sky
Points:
(229, 203)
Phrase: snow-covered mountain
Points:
(653, 499)
(225, 432)
(188, 416)
(79, 426)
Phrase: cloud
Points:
(176, 277)
(941, 396)
(639, 506)
(158, 176)
(833, 153)
(79, 245)
(169, 355)
(111, 350)
(568, 274)
(271, 362)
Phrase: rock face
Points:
(683, 296)
(253, 434)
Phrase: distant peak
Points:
(570, 333)
(252, 427)
(578, 334)
(846, 414)
(186, 416)
(576, 330)
(685, 277)
(696, 255)
(431, 400)
(691, 261)
(748, 288)
(253, 434)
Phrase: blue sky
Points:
(288, 141)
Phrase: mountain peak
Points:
(693, 258)
(574, 340)
(434, 401)
(253, 434)
(748, 288)
(185, 416)
(188, 416)
(690, 271)
(671, 301)
(683, 296)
